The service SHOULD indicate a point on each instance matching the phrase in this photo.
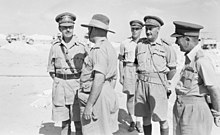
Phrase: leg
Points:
(130, 108)
(164, 127)
(139, 123)
(66, 127)
(76, 116)
(147, 126)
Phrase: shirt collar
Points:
(192, 54)
(157, 42)
(72, 42)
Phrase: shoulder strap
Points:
(67, 59)
(163, 83)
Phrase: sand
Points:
(25, 96)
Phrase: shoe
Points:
(139, 128)
(131, 127)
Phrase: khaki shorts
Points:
(65, 104)
(63, 113)
(151, 101)
(130, 79)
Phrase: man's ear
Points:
(59, 28)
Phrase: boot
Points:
(78, 127)
(164, 131)
(147, 129)
(66, 127)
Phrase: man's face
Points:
(91, 34)
(152, 32)
(67, 31)
(136, 32)
(182, 43)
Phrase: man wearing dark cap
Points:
(127, 70)
(100, 109)
(156, 66)
(64, 66)
(192, 115)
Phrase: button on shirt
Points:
(163, 56)
(197, 73)
(127, 49)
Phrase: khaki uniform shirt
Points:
(163, 56)
(127, 49)
(197, 73)
(74, 50)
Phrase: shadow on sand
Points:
(49, 129)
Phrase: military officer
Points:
(99, 115)
(127, 70)
(64, 66)
(192, 115)
(156, 66)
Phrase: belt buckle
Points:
(65, 76)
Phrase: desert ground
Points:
(25, 96)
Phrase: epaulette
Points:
(95, 47)
(80, 43)
(143, 40)
(199, 54)
(165, 42)
(56, 41)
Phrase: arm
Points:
(50, 66)
(171, 73)
(208, 76)
(121, 58)
(215, 97)
(171, 62)
(52, 74)
(215, 100)
(95, 92)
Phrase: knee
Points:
(66, 123)
(164, 124)
(130, 98)
(146, 121)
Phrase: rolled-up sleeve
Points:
(100, 61)
(51, 60)
(171, 57)
(122, 52)
(207, 72)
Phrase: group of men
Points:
(84, 79)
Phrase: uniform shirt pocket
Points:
(159, 57)
(58, 62)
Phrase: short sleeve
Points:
(171, 57)
(100, 61)
(122, 52)
(206, 71)
(50, 66)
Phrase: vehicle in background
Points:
(12, 37)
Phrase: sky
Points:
(38, 16)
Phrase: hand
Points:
(216, 116)
(87, 114)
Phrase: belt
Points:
(152, 77)
(68, 76)
(190, 99)
(129, 64)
